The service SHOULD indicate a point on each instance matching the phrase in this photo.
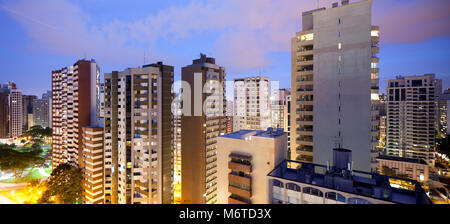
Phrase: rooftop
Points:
(243, 134)
(381, 187)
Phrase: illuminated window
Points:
(307, 37)
(339, 46)
(373, 65)
(340, 58)
(374, 96)
(374, 33)
(374, 76)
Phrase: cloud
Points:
(411, 21)
(245, 32)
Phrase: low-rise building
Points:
(243, 160)
(293, 182)
(416, 169)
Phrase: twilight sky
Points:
(247, 37)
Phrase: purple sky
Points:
(248, 37)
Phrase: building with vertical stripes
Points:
(139, 135)
(74, 106)
(93, 165)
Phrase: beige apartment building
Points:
(335, 84)
(92, 169)
(200, 129)
(244, 158)
(252, 103)
(412, 111)
(139, 135)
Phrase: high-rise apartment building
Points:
(139, 135)
(176, 111)
(229, 114)
(444, 113)
(74, 106)
(279, 108)
(27, 110)
(4, 111)
(412, 110)
(244, 158)
(335, 84)
(252, 103)
(42, 112)
(200, 127)
(15, 112)
(93, 166)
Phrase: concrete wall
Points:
(266, 153)
(348, 89)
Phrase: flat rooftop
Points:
(243, 134)
(372, 185)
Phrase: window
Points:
(307, 37)
(339, 21)
(339, 46)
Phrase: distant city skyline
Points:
(415, 37)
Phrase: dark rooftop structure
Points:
(341, 177)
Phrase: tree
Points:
(64, 185)
(15, 161)
(37, 133)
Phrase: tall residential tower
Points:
(335, 85)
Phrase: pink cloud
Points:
(254, 28)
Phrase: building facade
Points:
(27, 112)
(252, 103)
(244, 158)
(416, 169)
(4, 111)
(93, 165)
(139, 135)
(42, 112)
(411, 116)
(15, 112)
(335, 84)
(74, 106)
(444, 113)
(200, 128)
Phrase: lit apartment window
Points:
(339, 46)
(374, 33)
(373, 65)
(307, 37)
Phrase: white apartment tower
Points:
(75, 104)
(138, 135)
(411, 116)
(252, 103)
(15, 112)
(335, 85)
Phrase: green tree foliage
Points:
(17, 162)
(37, 133)
(64, 184)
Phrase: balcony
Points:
(247, 168)
(238, 191)
(236, 178)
